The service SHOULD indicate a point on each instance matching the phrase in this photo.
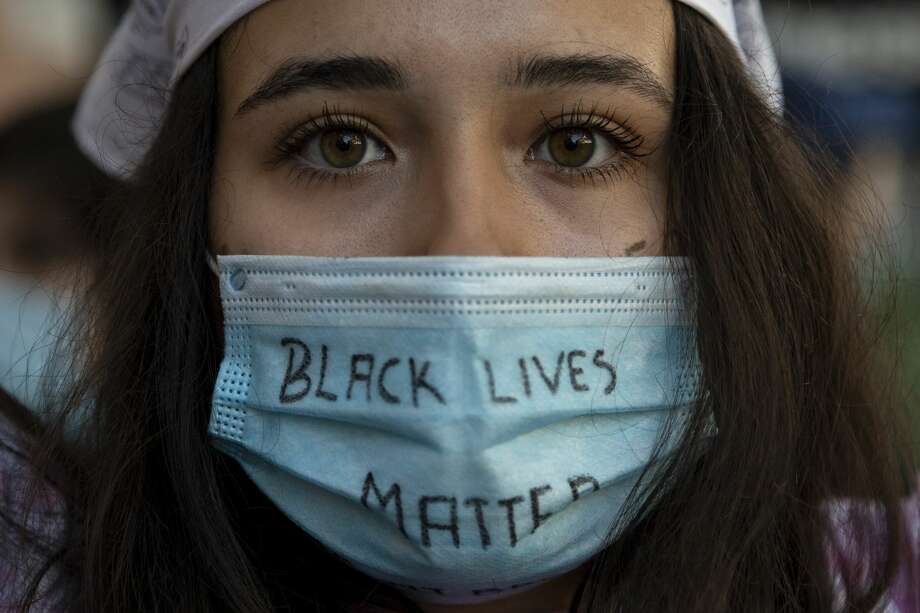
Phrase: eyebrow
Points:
(339, 73)
(622, 70)
(363, 72)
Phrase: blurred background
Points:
(851, 74)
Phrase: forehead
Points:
(446, 45)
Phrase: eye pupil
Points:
(343, 148)
(571, 147)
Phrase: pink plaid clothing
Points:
(18, 557)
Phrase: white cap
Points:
(123, 104)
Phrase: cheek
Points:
(620, 215)
(625, 219)
(636, 228)
(265, 213)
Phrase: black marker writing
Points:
(509, 503)
(381, 388)
(538, 518)
(484, 537)
(357, 375)
(576, 482)
(491, 378)
(292, 375)
(574, 371)
(426, 524)
(298, 378)
(608, 367)
(525, 379)
(416, 588)
(419, 382)
(441, 512)
(320, 392)
(383, 501)
(554, 384)
(552, 378)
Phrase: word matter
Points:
(441, 513)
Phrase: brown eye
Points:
(342, 148)
(571, 147)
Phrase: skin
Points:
(461, 172)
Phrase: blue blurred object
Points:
(32, 321)
(28, 317)
(843, 119)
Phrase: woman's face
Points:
(437, 127)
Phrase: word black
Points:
(297, 382)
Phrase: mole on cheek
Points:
(635, 248)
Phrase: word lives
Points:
(320, 372)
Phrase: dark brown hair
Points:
(792, 375)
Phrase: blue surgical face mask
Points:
(460, 427)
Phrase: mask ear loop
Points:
(212, 263)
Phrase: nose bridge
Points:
(464, 181)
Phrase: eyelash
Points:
(626, 140)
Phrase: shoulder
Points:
(28, 536)
(858, 536)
